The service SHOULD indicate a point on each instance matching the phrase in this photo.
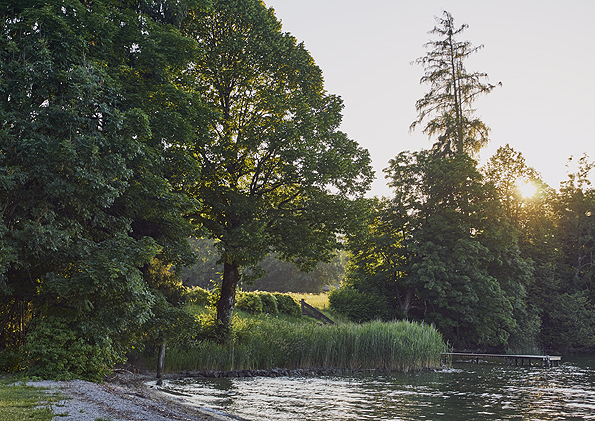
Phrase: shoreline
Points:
(122, 397)
(127, 396)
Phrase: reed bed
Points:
(272, 343)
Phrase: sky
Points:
(543, 52)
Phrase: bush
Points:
(197, 295)
(287, 305)
(249, 302)
(10, 360)
(56, 350)
(269, 303)
(359, 306)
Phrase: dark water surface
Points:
(465, 392)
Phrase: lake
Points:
(466, 391)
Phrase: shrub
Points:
(359, 306)
(287, 305)
(197, 295)
(56, 350)
(10, 360)
(249, 302)
(269, 303)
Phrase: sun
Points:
(527, 189)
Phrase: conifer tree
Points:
(447, 106)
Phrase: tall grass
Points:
(270, 342)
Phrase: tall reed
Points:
(270, 342)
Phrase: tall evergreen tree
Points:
(448, 103)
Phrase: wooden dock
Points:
(540, 360)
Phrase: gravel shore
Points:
(122, 398)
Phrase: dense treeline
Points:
(460, 246)
(127, 128)
(97, 124)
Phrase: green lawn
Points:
(319, 301)
(21, 402)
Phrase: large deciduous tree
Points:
(92, 107)
(463, 255)
(277, 174)
(447, 106)
(443, 251)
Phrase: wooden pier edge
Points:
(542, 360)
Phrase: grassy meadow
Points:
(266, 341)
(319, 301)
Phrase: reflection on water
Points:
(465, 392)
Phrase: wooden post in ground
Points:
(160, 363)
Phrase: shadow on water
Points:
(464, 392)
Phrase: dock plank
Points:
(543, 360)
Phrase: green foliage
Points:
(576, 227)
(507, 171)
(269, 303)
(57, 349)
(570, 322)
(10, 360)
(287, 305)
(250, 302)
(274, 152)
(96, 124)
(171, 324)
(197, 296)
(360, 306)
(441, 251)
(161, 278)
(257, 302)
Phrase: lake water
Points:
(464, 392)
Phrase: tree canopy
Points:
(462, 258)
(277, 174)
(95, 124)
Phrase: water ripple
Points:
(466, 392)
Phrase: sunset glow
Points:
(527, 189)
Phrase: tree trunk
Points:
(160, 363)
(405, 303)
(227, 300)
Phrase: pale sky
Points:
(543, 52)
